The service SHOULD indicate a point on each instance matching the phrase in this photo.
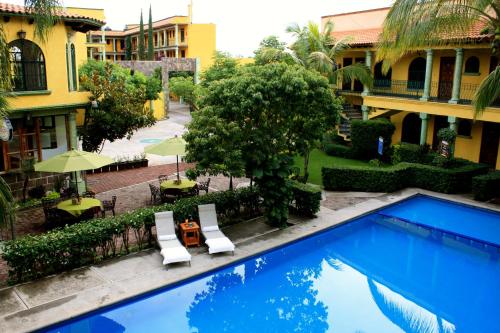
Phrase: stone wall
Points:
(167, 65)
(16, 181)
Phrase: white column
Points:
(103, 41)
(176, 41)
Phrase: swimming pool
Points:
(378, 273)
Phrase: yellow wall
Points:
(95, 13)
(55, 62)
(158, 107)
(201, 43)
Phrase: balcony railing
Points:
(439, 92)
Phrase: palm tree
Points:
(414, 25)
(45, 15)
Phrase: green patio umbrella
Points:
(170, 147)
(73, 161)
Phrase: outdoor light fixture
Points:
(21, 34)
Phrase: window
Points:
(48, 136)
(72, 57)
(472, 65)
(464, 127)
(122, 44)
(183, 54)
(28, 66)
(182, 35)
(108, 41)
(381, 80)
(24, 143)
(416, 74)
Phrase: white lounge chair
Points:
(171, 249)
(217, 242)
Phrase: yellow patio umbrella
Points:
(73, 161)
(170, 147)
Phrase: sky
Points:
(241, 24)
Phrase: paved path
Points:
(179, 116)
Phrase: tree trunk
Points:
(25, 187)
(306, 165)
(231, 183)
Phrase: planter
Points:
(144, 163)
(121, 166)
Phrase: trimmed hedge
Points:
(486, 187)
(89, 242)
(364, 138)
(408, 152)
(369, 179)
(335, 149)
(306, 199)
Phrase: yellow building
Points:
(425, 91)
(46, 96)
(173, 37)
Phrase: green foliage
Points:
(369, 179)
(488, 91)
(486, 187)
(7, 204)
(223, 67)
(306, 199)
(364, 138)
(408, 152)
(448, 135)
(184, 87)
(128, 48)
(270, 50)
(335, 149)
(253, 123)
(121, 97)
(141, 52)
(151, 52)
(375, 163)
(89, 242)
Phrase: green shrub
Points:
(369, 179)
(375, 163)
(335, 149)
(365, 135)
(88, 242)
(486, 187)
(408, 152)
(306, 199)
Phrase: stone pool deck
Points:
(37, 304)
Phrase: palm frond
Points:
(6, 202)
(45, 15)
(488, 92)
(339, 46)
(320, 62)
(358, 71)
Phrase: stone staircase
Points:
(348, 114)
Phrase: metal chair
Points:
(109, 205)
(170, 195)
(47, 205)
(89, 214)
(162, 178)
(203, 186)
(155, 194)
(89, 194)
(56, 218)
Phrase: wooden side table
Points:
(190, 232)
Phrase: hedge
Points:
(89, 242)
(335, 149)
(306, 199)
(408, 152)
(365, 135)
(486, 187)
(369, 179)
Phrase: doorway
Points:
(446, 71)
(410, 132)
(489, 144)
(439, 123)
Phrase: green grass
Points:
(319, 159)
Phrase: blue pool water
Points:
(370, 275)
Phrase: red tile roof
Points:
(21, 10)
(365, 37)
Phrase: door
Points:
(489, 144)
(439, 123)
(446, 70)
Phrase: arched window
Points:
(381, 80)
(410, 132)
(416, 74)
(28, 66)
(472, 65)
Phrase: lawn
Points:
(319, 159)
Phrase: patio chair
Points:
(109, 205)
(155, 194)
(171, 249)
(89, 214)
(203, 186)
(88, 194)
(48, 204)
(162, 178)
(170, 195)
(56, 218)
(217, 242)
(192, 192)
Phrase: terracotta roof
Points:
(21, 10)
(357, 12)
(365, 37)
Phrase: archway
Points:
(411, 129)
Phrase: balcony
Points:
(440, 91)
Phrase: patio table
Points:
(77, 210)
(185, 185)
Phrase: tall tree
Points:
(141, 45)
(44, 14)
(128, 48)
(414, 25)
(253, 122)
(151, 50)
(223, 67)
